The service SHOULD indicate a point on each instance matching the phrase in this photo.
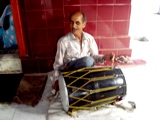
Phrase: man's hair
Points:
(84, 18)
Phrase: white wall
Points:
(142, 20)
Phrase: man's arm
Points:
(97, 57)
(94, 52)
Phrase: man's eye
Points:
(77, 23)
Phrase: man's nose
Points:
(74, 25)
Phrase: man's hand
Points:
(55, 87)
(109, 57)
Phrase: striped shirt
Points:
(69, 49)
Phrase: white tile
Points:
(10, 63)
(21, 115)
(38, 112)
(24, 112)
(7, 111)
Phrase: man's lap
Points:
(80, 63)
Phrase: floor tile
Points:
(7, 111)
(29, 114)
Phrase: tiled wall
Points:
(43, 22)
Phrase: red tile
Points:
(106, 1)
(42, 51)
(45, 65)
(67, 27)
(55, 33)
(38, 37)
(123, 1)
(125, 52)
(91, 28)
(34, 4)
(108, 51)
(105, 12)
(54, 18)
(122, 42)
(54, 43)
(27, 42)
(21, 4)
(126, 64)
(53, 4)
(107, 43)
(26, 35)
(36, 19)
(104, 28)
(90, 12)
(54, 47)
(121, 12)
(97, 41)
(120, 28)
(68, 10)
(40, 13)
(139, 62)
(71, 2)
(88, 1)
(24, 19)
(29, 65)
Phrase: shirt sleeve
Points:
(94, 52)
(58, 63)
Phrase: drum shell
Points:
(100, 84)
(77, 88)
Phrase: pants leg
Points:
(81, 63)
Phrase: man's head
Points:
(77, 23)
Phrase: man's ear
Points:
(84, 24)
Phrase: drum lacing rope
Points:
(74, 108)
(109, 100)
(89, 79)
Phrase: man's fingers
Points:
(113, 57)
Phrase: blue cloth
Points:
(7, 36)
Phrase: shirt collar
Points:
(84, 36)
(74, 38)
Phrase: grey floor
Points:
(23, 112)
(142, 81)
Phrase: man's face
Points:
(77, 24)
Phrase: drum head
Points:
(63, 93)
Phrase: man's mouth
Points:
(73, 29)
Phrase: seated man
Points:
(77, 49)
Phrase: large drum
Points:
(91, 87)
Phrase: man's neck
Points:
(79, 37)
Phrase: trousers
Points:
(80, 63)
(74, 65)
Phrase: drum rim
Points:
(63, 93)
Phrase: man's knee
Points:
(81, 63)
(88, 61)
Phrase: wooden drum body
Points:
(91, 87)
